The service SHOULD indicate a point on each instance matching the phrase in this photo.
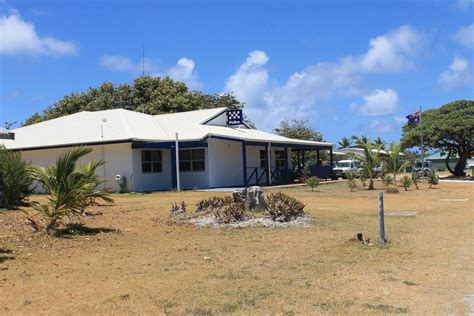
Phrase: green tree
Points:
(16, 179)
(370, 159)
(345, 143)
(151, 95)
(449, 128)
(364, 139)
(313, 182)
(393, 164)
(299, 129)
(70, 188)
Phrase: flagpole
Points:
(422, 147)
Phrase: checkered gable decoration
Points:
(234, 117)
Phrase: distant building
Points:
(438, 160)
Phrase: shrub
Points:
(283, 208)
(230, 211)
(392, 189)
(178, 211)
(415, 177)
(351, 175)
(70, 190)
(16, 179)
(352, 184)
(210, 204)
(432, 179)
(387, 179)
(406, 182)
(312, 182)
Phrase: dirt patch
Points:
(134, 262)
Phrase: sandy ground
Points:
(131, 261)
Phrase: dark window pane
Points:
(198, 165)
(263, 163)
(146, 167)
(198, 154)
(263, 154)
(156, 155)
(185, 155)
(185, 165)
(146, 155)
(279, 154)
(157, 167)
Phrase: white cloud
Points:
(379, 102)
(465, 36)
(393, 52)
(458, 75)
(183, 71)
(380, 127)
(19, 37)
(268, 102)
(400, 120)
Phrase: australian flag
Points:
(414, 118)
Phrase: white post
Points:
(178, 184)
(269, 167)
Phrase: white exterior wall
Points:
(196, 179)
(152, 181)
(117, 157)
(225, 161)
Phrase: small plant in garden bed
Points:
(432, 179)
(230, 211)
(387, 179)
(210, 204)
(406, 182)
(312, 182)
(283, 208)
(352, 184)
(178, 212)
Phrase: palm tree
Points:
(345, 143)
(379, 142)
(70, 186)
(356, 139)
(370, 159)
(392, 162)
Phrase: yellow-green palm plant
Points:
(392, 163)
(69, 187)
(91, 192)
(370, 158)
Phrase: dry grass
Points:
(139, 264)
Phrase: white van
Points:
(343, 167)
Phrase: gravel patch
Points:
(400, 214)
(211, 221)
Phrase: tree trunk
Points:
(461, 163)
(371, 184)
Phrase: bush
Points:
(432, 179)
(387, 179)
(406, 182)
(351, 175)
(313, 182)
(415, 177)
(178, 211)
(210, 204)
(283, 208)
(230, 211)
(16, 179)
(392, 189)
(70, 189)
(352, 184)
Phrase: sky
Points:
(348, 67)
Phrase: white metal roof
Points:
(121, 125)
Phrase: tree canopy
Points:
(151, 95)
(298, 129)
(449, 128)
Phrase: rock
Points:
(252, 197)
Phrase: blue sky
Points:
(348, 67)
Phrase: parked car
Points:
(343, 167)
(427, 167)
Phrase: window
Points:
(151, 161)
(263, 158)
(280, 159)
(192, 160)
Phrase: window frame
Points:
(193, 160)
(151, 161)
(263, 160)
(280, 159)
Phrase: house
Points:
(196, 149)
(438, 161)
